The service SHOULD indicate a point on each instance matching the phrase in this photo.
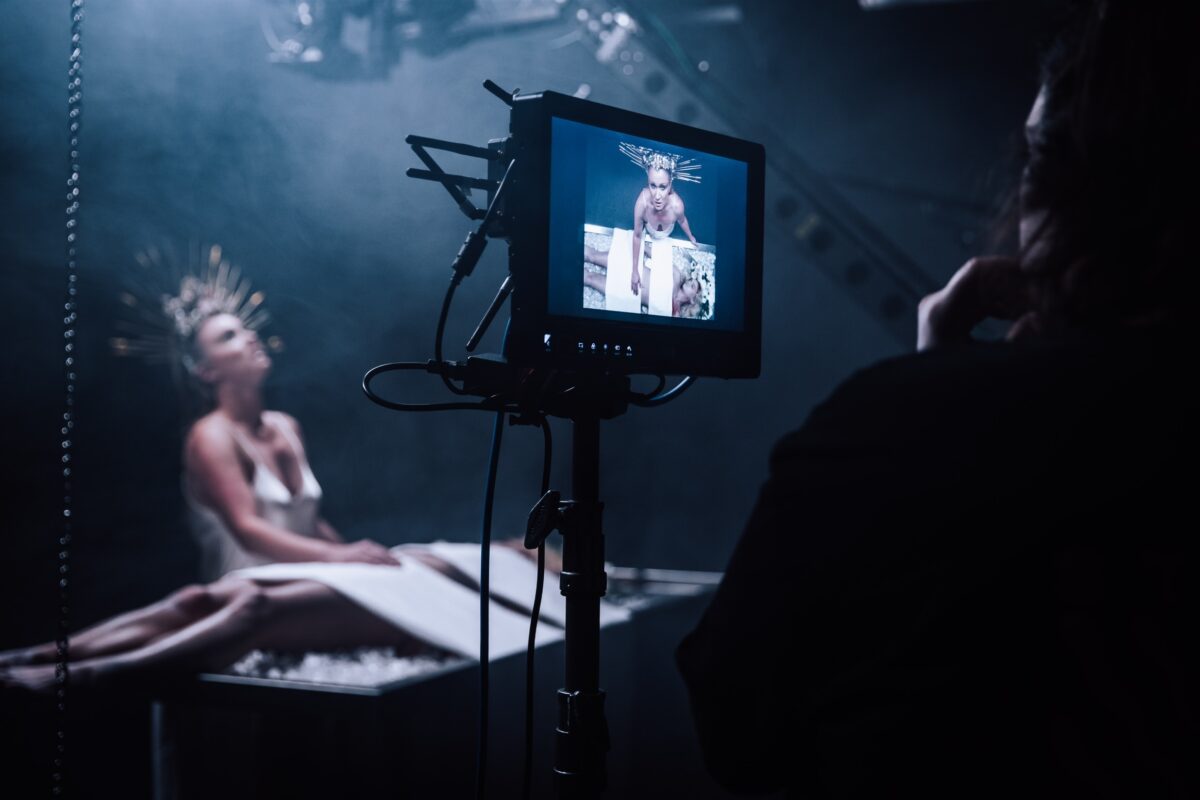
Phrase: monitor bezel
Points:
(537, 338)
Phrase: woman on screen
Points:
(658, 206)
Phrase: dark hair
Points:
(1115, 150)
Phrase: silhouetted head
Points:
(1106, 194)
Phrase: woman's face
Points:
(230, 352)
(659, 181)
(691, 289)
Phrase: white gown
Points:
(413, 597)
(663, 234)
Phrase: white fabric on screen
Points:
(617, 294)
(662, 279)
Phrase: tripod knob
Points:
(544, 518)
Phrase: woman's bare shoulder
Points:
(211, 434)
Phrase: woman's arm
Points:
(639, 211)
(218, 478)
(328, 532)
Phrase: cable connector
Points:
(525, 417)
(489, 375)
(454, 370)
(469, 253)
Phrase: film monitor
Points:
(636, 243)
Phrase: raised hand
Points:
(985, 287)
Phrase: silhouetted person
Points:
(972, 570)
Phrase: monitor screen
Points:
(644, 231)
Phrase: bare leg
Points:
(286, 616)
(132, 629)
(594, 256)
(306, 615)
(596, 280)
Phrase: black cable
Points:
(484, 601)
(527, 783)
(665, 397)
(455, 279)
(489, 404)
(634, 397)
(464, 264)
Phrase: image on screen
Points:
(645, 229)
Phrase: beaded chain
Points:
(62, 650)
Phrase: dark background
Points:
(191, 136)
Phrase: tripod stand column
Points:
(581, 738)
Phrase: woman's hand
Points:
(635, 281)
(364, 551)
(985, 287)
